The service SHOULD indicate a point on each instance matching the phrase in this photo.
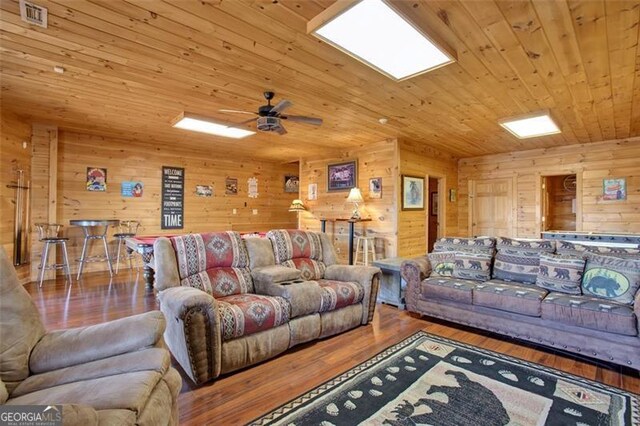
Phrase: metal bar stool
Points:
(126, 229)
(48, 233)
(87, 225)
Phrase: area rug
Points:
(429, 380)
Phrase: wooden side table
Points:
(391, 285)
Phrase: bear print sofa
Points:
(574, 297)
(232, 302)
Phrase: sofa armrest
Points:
(193, 331)
(414, 271)
(165, 264)
(64, 348)
(367, 276)
(636, 309)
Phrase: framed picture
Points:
(131, 189)
(291, 183)
(614, 189)
(412, 193)
(313, 192)
(342, 176)
(96, 179)
(204, 191)
(375, 188)
(434, 204)
(231, 186)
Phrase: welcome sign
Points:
(172, 212)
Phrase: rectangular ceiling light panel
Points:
(201, 124)
(531, 126)
(374, 33)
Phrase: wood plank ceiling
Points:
(132, 66)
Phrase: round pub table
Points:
(94, 229)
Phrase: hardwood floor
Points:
(242, 396)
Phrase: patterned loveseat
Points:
(232, 302)
(574, 297)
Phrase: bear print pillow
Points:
(611, 278)
(560, 273)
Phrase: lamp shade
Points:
(297, 206)
(355, 196)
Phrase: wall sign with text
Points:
(172, 212)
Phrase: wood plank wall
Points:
(127, 160)
(418, 159)
(591, 162)
(13, 157)
(374, 160)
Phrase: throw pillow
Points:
(560, 273)
(612, 278)
(472, 266)
(519, 260)
(472, 245)
(442, 263)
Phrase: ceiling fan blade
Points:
(281, 106)
(281, 130)
(235, 111)
(303, 119)
(251, 120)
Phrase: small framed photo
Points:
(412, 192)
(231, 186)
(204, 191)
(614, 189)
(291, 183)
(342, 176)
(313, 192)
(434, 204)
(375, 187)
(96, 179)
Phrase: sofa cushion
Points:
(338, 294)
(518, 260)
(474, 245)
(220, 282)
(309, 269)
(442, 263)
(590, 312)
(198, 252)
(454, 289)
(562, 273)
(244, 314)
(612, 278)
(292, 244)
(507, 296)
(582, 250)
(472, 266)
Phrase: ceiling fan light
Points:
(207, 125)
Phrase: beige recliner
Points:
(116, 372)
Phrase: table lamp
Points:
(355, 197)
(297, 206)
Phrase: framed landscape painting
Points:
(412, 193)
(342, 176)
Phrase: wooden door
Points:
(491, 204)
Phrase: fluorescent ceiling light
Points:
(531, 126)
(374, 33)
(202, 124)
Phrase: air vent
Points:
(33, 14)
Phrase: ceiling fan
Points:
(270, 116)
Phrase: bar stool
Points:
(126, 229)
(366, 243)
(48, 233)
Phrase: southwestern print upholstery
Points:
(338, 294)
(220, 282)
(472, 266)
(583, 250)
(611, 278)
(241, 315)
(442, 263)
(309, 269)
(561, 273)
(198, 252)
(519, 260)
(292, 244)
(473, 245)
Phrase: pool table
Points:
(143, 245)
